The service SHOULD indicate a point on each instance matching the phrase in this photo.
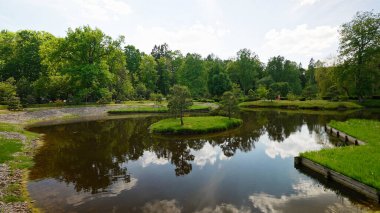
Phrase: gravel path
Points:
(47, 114)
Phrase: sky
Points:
(295, 29)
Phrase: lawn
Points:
(312, 104)
(358, 162)
(155, 109)
(195, 125)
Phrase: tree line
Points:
(89, 66)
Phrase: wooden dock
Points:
(343, 136)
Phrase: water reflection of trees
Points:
(92, 155)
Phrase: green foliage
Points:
(195, 125)
(360, 50)
(262, 92)
(141, 91)
(193, 75)
(245, 70)
(229, 103)
(179, 100)
(280, 88)
(271, 95)
(148, 73)
(105, 96)
(282, 70)
(358, 162)
(291, 97)
(14, 103)
(218, 80)
(157, 98)
(310, 92)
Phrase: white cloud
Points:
(199, 38)
(307, 2)
(301, 41)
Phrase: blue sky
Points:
(296, 29)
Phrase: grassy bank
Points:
(358, 162)
(153, 109)
(312, 104)
(194, 125)
(16, 146)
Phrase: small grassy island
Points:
(195, 125)
(358, 162)
(312, 104)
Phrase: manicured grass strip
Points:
(358, 162)
(313, 104)
(195, 125)
(152, 109)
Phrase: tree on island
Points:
(179, 100)
(229, 103)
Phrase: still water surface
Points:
(117, 166)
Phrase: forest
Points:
(89, 66)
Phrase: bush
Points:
(14, 103)
(105, 96)
(291, 96)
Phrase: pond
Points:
(117, 166)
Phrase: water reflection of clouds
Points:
(296, 143)
(308, 196)
(113, 190)
(208, 154)
(151, 158)
(159, 206)
(225, 208)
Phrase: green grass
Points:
(153, 109)
(312, 104)
(194, 125)
(7, 148)
(359, 162)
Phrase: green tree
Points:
(262, 92)
(179, 100)
(88, 56)
(193, 75)
(248, 68)
(229, 103)
(157, 98)
(148, 73)
(359, 46)
(218, 81)
(8, 94)
(133, 60)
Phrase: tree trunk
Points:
(181, 118)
